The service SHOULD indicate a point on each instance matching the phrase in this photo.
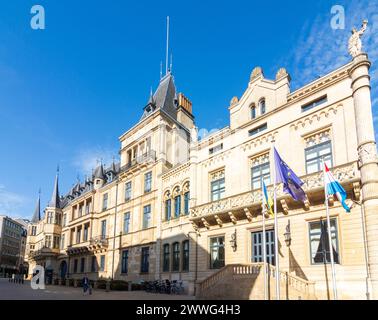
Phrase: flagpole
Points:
(276, 257)
(329, 237)
(264, 248)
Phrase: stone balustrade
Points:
(347, 173)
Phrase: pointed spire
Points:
(37, 212)
(99, 172)
(151, 100)
(55, 199)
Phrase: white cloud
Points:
(10, 202)
(89, 158)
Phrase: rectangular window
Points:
(148, 182)
(176, 257)
(64, 220)
(103, 229)
(168, 209)
(215, 149)
(260, 172)
(86, 227)
(81, 210)
(314, 103)
(217, 254)
(93, 264)
(146, 217)
(125, 261)
(128, 191)
(87, 207)
(186, 203)
(62, 241)
(48, 242)
(78, 235)
(126, 222)
(257, 130)
(217, 189)
(257, 246)
(75, 265)
(145, 260)
(82, 265)
(56, 242)
(177, 206)
(34, 230)
(319, 243)
(185, 255)
(315, 154)
(166, 254)
(49, 217)
(105, 202)
(102, 263)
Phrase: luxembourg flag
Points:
(334, 187)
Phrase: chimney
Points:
(185, 103)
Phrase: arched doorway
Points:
(63, 269)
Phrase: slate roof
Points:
(164, 98)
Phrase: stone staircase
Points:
(246, 282)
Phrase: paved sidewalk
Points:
(15, 291)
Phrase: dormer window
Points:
(262, 106)
(110, 177)
(253, 111)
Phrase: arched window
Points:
(262, 106)
(253, 111)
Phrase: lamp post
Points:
(287, 235)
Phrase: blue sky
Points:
(68, 92)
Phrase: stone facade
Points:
(181, 208)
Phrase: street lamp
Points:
(287, 235)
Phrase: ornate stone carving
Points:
(218, 220)
(217, 175)
(318, 138)
(357, 190)
(234, 101)
(355, 44)
(285, 207)
(256, 72)
(281, 73)
(368, 153)
(205, 223)
(264, 158)
(232, 217)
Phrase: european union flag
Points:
(291, 183)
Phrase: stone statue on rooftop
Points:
(355, 44)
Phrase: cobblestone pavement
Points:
(14, 291)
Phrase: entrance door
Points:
(63, 269)
(257, 246)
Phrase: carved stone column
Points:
(368, 163)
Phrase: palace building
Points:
(182, 208)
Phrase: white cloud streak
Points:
(89, 158)
(10, 202)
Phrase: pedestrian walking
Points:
(86, 284)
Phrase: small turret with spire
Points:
(55, 199)
(37, 212)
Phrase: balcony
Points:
(98, 243)
(143, 160)
(246, 206)
(42, 253)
